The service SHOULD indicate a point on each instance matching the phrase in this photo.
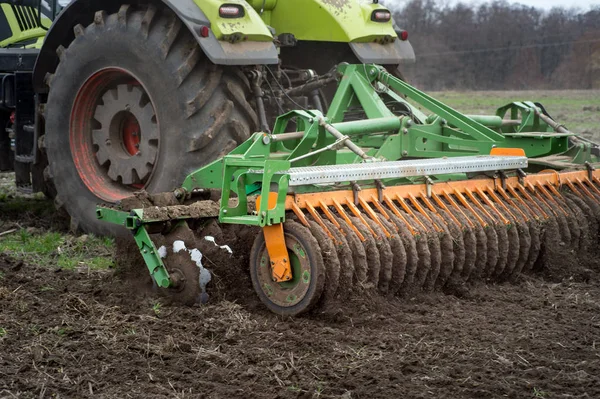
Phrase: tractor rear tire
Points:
(134, 103)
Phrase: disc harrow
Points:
(398, 203)
(481, 229)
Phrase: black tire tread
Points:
(215, 113)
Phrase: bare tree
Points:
(501, 46)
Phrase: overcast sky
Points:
(584, 5)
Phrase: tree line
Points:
(499, 46)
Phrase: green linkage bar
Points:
(154, 263)
(367, 126)
(376, 73)
(133, 221)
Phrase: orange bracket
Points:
(278, 253)
(296, 209)
(275, 241)
(515, 152)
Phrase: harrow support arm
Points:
(135, 222)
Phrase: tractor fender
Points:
(344, 21)
(82, 12)
(397, 52)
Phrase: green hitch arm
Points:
(134, 222)
(376, 74)
(366, 126)
(149, 252)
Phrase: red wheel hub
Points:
(130, 133)
(113, 134)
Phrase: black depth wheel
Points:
(303, 292)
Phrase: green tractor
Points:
(130, 95)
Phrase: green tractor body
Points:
(22, 26)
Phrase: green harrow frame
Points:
(375, 136)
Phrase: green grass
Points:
(22, 209)
(62, 331)
(35, 330)
(46, 243)
(54, 249)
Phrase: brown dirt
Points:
(373, 259)
(446, 248)
(71, 334)
(503, 248)
(534, 235)
(142, 199)
(385, 256)
(584, 220)
(433, 240)
(458, 245)
(359, 255)
(398, 266)
(474, 268)
(344, 254)
(110, 334)
(470, 244)
(424, 255)
(331, 260)
(412, 257)
(491, 247)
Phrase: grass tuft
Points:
(54, 249)
(156, 308)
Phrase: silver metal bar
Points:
(345, 139)
(320, 150)
(287, 136)
(395, 169)
(552, 123)
(511, 122)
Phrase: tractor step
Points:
(396, 169)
